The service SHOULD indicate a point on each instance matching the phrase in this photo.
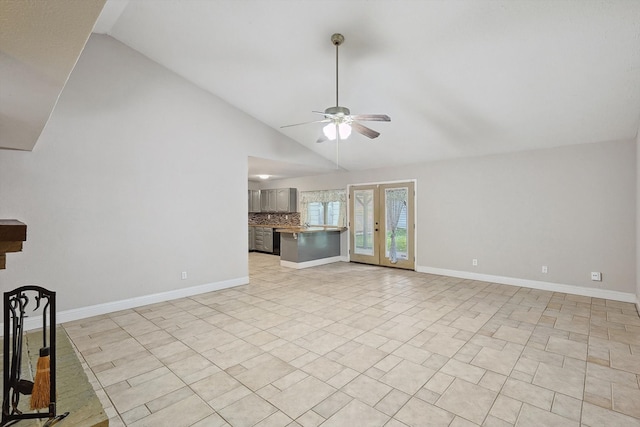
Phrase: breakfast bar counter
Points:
(302, 247)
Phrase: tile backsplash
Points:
(290, 218)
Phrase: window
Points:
(324, 207)
(315, 213)
(323, 213)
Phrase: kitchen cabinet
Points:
(268, 200)
(252, 239)
(286, 200)
(262, 239)
(267, 240)
(258, 237)
(254, 201)
(279, 200)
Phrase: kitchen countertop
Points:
(313, 229)
(299, 228)
(278, 226)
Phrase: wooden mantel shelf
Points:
(12, 234)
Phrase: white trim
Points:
(31, 323)
(397, 181)
(534, 284)
(313, 263)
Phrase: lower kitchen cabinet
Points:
(258, 238)
(252, 239)
(261, 239)
(267, 240)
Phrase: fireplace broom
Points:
(41, 394)
(42, 382)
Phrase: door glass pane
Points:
(395, 202)
(364, 223)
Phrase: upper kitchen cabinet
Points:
(286, 200)
(254, 201)
(268, 200)
(276, 200)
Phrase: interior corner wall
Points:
(638, 222)
(570, 208)
(138, 176)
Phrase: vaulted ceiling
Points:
(458, 78)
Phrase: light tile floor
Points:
(354, 345)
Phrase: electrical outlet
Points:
(545, 269)
(596, 276)
(268, 216)
(184, 275)
(474, 262)
(286, 217)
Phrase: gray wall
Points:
(572, 209)
(137, 177)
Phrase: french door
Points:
(381, 224)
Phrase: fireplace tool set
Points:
(42, 390)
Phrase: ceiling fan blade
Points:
(370, 133)
(371, 117)
(306, 123)
(322, 138)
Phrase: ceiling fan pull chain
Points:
(337, 149)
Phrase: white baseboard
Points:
(111, 307)
(31, 323)
(314, 263)
(534, 284)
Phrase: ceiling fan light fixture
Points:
(344, 130)
(330, 131)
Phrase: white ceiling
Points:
(458, 78)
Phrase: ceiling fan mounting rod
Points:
(337, 39)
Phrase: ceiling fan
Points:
(339, 119)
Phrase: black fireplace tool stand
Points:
(17, 304)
